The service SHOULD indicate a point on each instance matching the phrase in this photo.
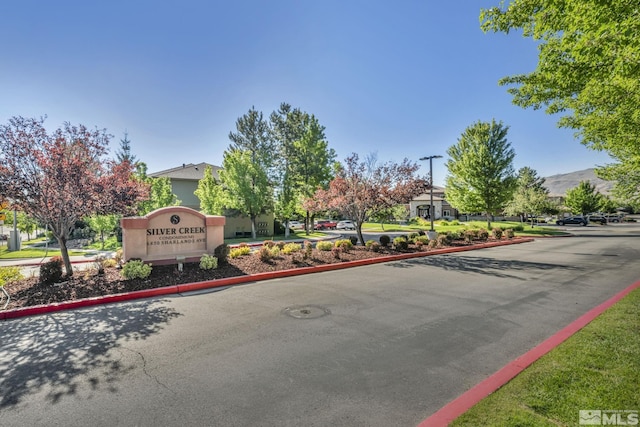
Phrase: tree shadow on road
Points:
(481, 265)
(57, 352)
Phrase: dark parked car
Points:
(598, 218)
(572, 220)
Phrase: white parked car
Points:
(296, 225)
(346, 225)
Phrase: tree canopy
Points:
(588, 71)
(62, 177)
(584, 198)
(364, 188)
(530, 196)
(481, 176)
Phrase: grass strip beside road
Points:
(598, 368)
(33, 253)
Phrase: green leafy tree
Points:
(398, 212)
(160, 191)
(481, 176)
(608, 205)
(530, 197)
(304, 162)
(24, 223)
(587, 71)
(247, 185)
(103, 224)
(211, 194)
(583, 199)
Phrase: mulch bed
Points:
(88, 283)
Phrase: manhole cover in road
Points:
(306, 311)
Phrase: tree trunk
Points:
(307, 224)
(253, 226)
(286, 229)
(488, 221)
(359, 232)
(62, 241)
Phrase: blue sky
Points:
(402, 79)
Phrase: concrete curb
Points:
(189, 287)
(465, 401)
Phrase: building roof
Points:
(438, 194)
(190, 172)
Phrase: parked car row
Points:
(594, 217)
(324, 224)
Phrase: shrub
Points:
(422, 233)
(221, 252)
(454, 235)
(469, 235)
(239, 251)
(324, 246)
(9, 274)
(136, 269)
(385, 240)
(208, 262)
(280, 244)
(433, 243)
(422, 239)
(269, 243)
(412, 236)
(419, 244)
(373, 246)
(336, 252)
(444, 222)
(118, 256)
(308, 249)
(51, 271)
(443, 239)
(243, 245)
(400, 243)
(518, 227)
(483, 234)
(290, 248)
(497, 233)
(509, 233)
(455, 222)
(344, 244)
(354, 240)
(266, 253)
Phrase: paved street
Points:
(382, 345)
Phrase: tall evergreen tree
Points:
(124, 154)
(481, 176)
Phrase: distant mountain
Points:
(559, 184)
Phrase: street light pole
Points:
(432, 209)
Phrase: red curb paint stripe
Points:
(452, 410)
(230, 281)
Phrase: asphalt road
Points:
(382, 345)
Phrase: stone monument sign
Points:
(171, 234)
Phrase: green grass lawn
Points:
(33, 253)
(297, 235)
(596, 369)
(443, 226)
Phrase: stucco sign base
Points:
(168, 234)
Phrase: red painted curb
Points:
(452, 410)
(230, 281)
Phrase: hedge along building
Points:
(184, 182)
(172, 234)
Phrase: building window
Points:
(446, 213)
